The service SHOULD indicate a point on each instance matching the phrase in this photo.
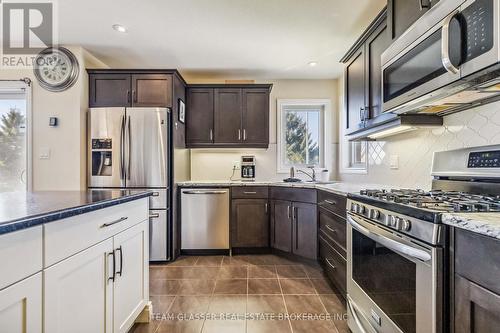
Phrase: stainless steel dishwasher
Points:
(205, 219)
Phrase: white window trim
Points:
(18, 84)
(327, 132)
(344, 153)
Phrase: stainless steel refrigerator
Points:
(129, 148)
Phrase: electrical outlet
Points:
(394, 161)
(44, 153)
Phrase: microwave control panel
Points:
(484, 159)
(477, 20)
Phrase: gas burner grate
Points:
(437, 200)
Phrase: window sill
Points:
(359, 171)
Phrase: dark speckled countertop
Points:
(20, 210)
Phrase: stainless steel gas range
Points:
(396, 243)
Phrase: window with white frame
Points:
(357, 154)
(14, 136)
(301, 135)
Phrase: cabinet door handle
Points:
(266, 207)
(121, 219)
(121, 261)
(249, 192)
(155, 194)
(244, 135)
(422, 6)
(128, 96)
(112, 278)
(295, 213)
(134, 94)
(361, 113)
(330, 202)
(239, 134)
(330, 264)
(211, 135)
(288, 212)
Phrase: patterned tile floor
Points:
(247, 293)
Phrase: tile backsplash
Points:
(414, 150)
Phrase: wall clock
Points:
(56, 69)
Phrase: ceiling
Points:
(230, 38)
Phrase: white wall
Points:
(211, 164)
(66, 167)
(474, 127)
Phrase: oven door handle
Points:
(354, 311)
(390, 243)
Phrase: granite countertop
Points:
(482, 223)
(20, 210)
(341, 188)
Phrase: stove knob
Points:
(362, 209)
(392, 221)
(398, 223)
(388, 220)
(375, 214)
(354, 208)
(406, 226)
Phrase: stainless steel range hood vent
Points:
(397, 125)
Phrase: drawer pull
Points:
(330, 228)
(156, 194)
(154, 215)
(250, 192)
(121, 219)
(330, 264)
(330, 202)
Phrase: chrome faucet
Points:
(312, 175)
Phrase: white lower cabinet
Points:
(131, 292)
(21, 306)
(78, 295)
(101, 289)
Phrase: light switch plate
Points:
(44, 153)
(394, 161)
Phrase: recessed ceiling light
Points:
(119, 28)
(312, 63)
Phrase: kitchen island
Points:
(73, 261)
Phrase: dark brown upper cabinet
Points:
(200, 117)
(363, 77)
(227, 116)
(375, 45)
(240, 115)
(255, 116)
(151, 90)
(355, 90)
(402, 14)
(109, 90)
(126, 88)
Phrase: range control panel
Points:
(484, 159)
(101, 144)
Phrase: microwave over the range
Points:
(448, 60)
